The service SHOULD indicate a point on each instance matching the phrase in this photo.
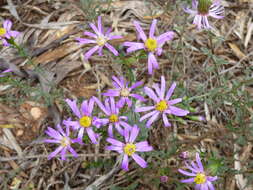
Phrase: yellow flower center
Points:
(101, 40)
(151, 44)
(113, 118)
(161, 106)
(124, 92)
(2, 31)
(129, 149)
(65, 142)
(200, 178)
(203, 6)
(85, 121)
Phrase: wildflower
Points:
(113, 118)
(6, 33)
(62, 138)
(85, 120)
(202, 9)
(162, 104)
(199, 176)
(164, 178)
(129, 148)
(101, 39)
(123, 91)
(2, 74)
(152, 44)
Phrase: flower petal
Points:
(170, 91)
(73, 106)
(152, 119)
(139, 160)
(186, 173)
(140, 31)
(54, 153)
(152, 28)
(91, 135)
(151, 94)
(165, 120)
(175, 101)
(134, 133)
(85, 41)
(190, 180)
(112, 49)
(143, 147)
(115, 142)
(143, 109)
(178, 111)
(7, 25)
(92, 35)
(148, 115)
(90, 52)
(124, 164)
(136, 46)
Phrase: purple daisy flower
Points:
(202, 9)
(113, 119)
(6, 33)
(101, 39)
(2, 74)
(85, 119)
(129, 148)
(62, 138)
(152, 44)
(198, 175)
(123, 91)
(162, 104)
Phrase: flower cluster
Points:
(123, 133)
(112, 116)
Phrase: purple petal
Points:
(51, 141)
(151, 94)
(152, 119)
(163, 85)
(7, 25)
(112, 102)
(112, 49)
(13, 33)
(111, 92)
(100, 29)
(80, 133)
(190, 180)
(54, 153)
(110, 130)
(139, 160)
(191, 168)
(152, 28)
(94, 28)
(148, 115)
(91, 105)
(136, 46)
(150, 65)
(128, 101)
(74, 124)
(170, 91)
(143, 147)
(92, 35)
(210, 185)
(85, 41)
(186, 173)
(91, 135)
(90, 52)
(73, 106)
(135, 85)
(115, 142)
(177, 111)
(121, 102)
(166, 121)
(114, 148)
(100, 105)
(165, 37)
(140, 31)
(143, 109)
(134, 133)
(210, 178)
(118, 82)
(137, 96)
(119, 129)
(124, 164)
(59, 128)
(72, 151)
(115, 37)
(63, 153)
(53, 133)
(125, 125)
(153, 61)
(175, 101)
